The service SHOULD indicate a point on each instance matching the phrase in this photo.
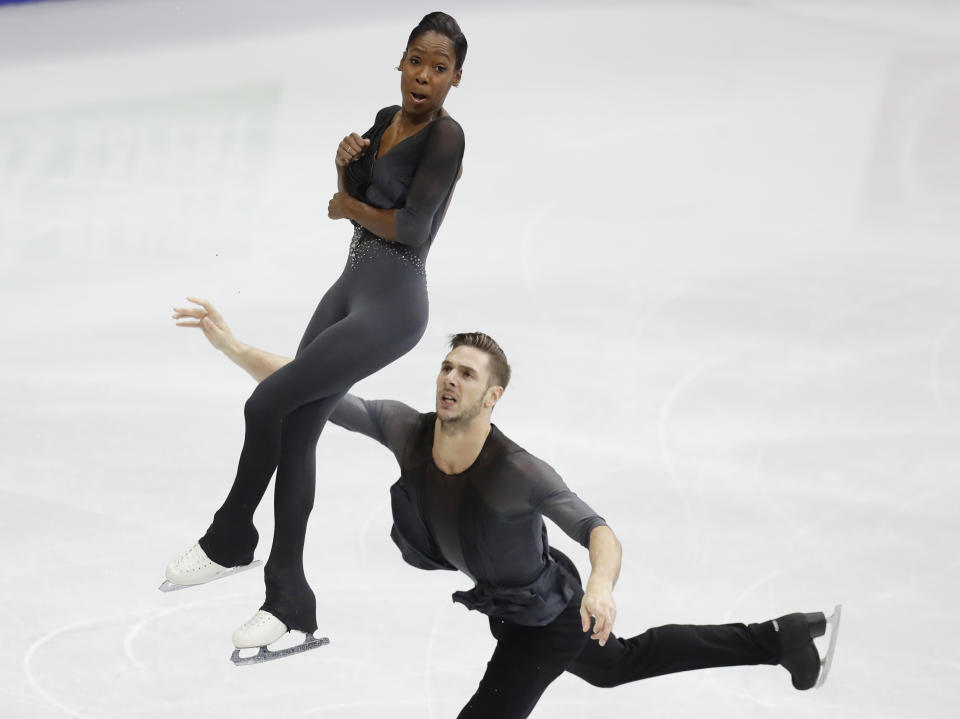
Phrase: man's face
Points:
(462, 384)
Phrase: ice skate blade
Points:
(168, 586)
(265, 655)
(834, 623)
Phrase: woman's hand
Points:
(352, 148)
(338, 207)
(207, 318)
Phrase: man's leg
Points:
(524, 663)
(676, 648)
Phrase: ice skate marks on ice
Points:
(168, 586)
(265, 655)
(833, 624)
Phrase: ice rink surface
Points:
(718, 241)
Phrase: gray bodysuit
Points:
(486, 521)
(375, 312)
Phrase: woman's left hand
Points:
(337, 209)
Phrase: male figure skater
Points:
(471, 499)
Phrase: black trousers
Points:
(527, 659)
(374, 313)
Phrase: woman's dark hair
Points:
(442, 23)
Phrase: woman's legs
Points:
(288, 595)
(284, 418)
(231, 537)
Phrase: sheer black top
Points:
(486, 521)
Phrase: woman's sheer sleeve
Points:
(389, 422)
(550, 496)
(434, 177)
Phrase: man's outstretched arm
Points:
(551, 496)
(258, 363)
(383, 420)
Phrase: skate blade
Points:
(168, 586)
(834, 623)
(265, 655)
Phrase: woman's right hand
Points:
(352, 148)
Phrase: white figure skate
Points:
(194, 567)
(263, 629)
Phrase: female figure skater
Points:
(395, 182)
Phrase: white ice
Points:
(718, 241)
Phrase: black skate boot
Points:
(798, 653)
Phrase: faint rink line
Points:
(666, 408)
(939, 346)
(375, 513)
(137, 628)
(838, 317)
(686, 380)
(530, 274)
(917, 110)
(733, 696)
(13, 616)
(50, 636)
(886, 296)
(691, 377)
(526, 243)
(829, 518)
(183, 707)
(28, 657)
(839, 507)
(750, 589)
(387, 702)
(24, 697)
(428, 673)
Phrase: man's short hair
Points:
(499, 367)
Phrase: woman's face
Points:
(426, 73)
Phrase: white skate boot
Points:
(263, 629)
(194, 567)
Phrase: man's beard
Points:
(464, 418)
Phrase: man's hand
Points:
(207, 318)
(257, 363)
(598, 603)
(352, 148)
